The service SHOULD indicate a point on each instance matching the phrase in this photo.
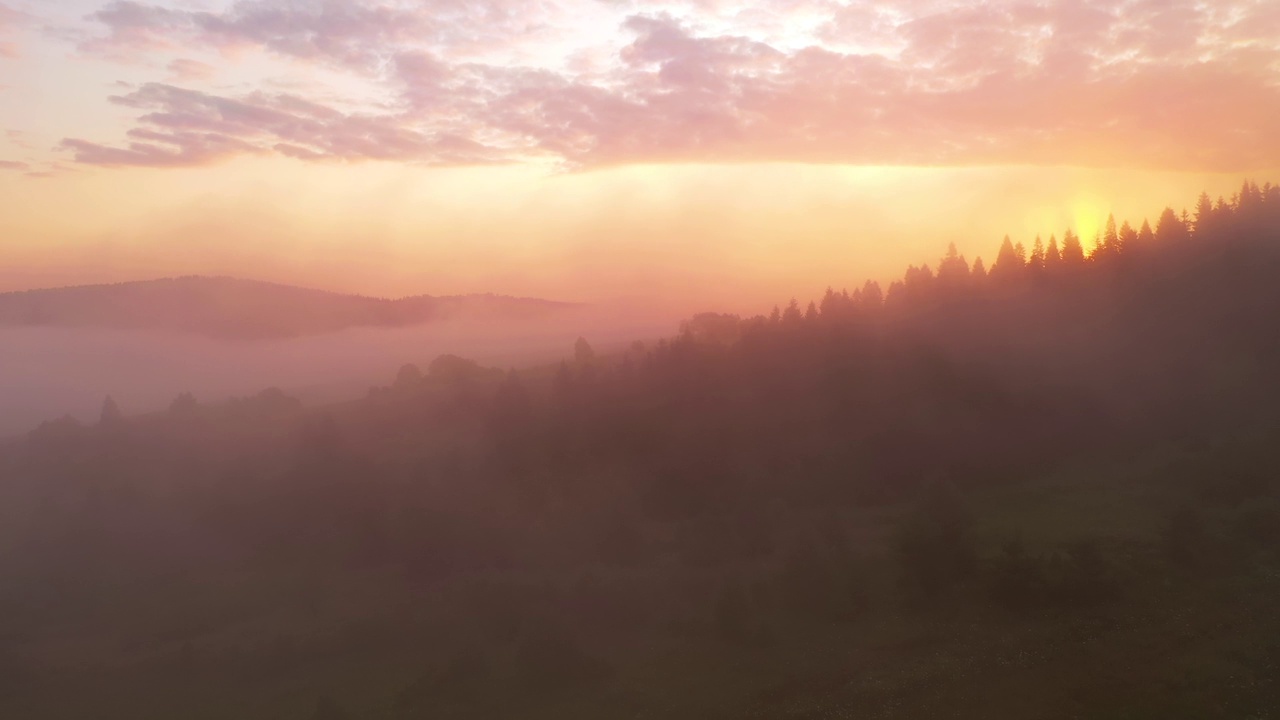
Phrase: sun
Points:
(1088, 215)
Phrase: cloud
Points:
(14, 165)
(187, 70)
(183, 128)
(1154, 83)
(11, 21)
(351, 33)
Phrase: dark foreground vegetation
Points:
(1047, 490)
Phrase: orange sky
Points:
(710, 153)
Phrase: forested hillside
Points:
(1043, 489)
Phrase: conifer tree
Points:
(582, 352)
(1009, 263)
(111, 414)
(792, 314)
(1036, 263)
(1052, 257)
(1109, 244)
(1128, 238)
(829, 301)
(953, 270)
(872, 295)
(1072, 250)
(1204, 216)
(979, 270)
(1145, 236)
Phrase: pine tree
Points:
(1072, 250)
(829, 301)
(1109, 244)
(1146, 238)
(111, 414)
(792, 314)
(582, 352)
(953, 270)
(1204, 216)
(1171, 229)
(1128, 238)
(872, 295)
(1037, 255)
(1009, 263)
(1052, 258)
(979, 271)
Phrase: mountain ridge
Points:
(231, 308)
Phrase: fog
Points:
(46, 373)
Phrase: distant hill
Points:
(230, 308)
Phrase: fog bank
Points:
(46, 373)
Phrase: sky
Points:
(717, 154)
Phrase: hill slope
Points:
(1049, 491)
(231, 308)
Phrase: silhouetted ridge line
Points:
(231, 308)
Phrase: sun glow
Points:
(1088, 216)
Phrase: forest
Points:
(1047, 488)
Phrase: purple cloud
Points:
(184, 128)
(1153, 83)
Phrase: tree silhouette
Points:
(953, 270)
(1108, 245)
(110, 414)
(1146, 238)
(1037, 261)
(872, 295)
(582, 352)
(1072, 251)
(830, 300)
(1009, 262)
(792, 315)
(979, 271)
(408, 377)
(1052, 257)
(453, 369)
(1204, 216)
(1170, 229)
(1128, 238)
(184, 404)
(712, 329)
